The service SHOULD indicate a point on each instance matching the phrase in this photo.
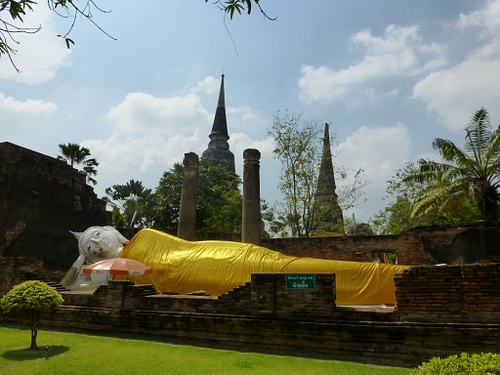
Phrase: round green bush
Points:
(463, 364)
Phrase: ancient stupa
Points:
(218, 148)
(326, 205)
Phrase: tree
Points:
(165, 207)
(219, 200)
(240, 6)
(298, 146)
(31, 299)
(77, 156)
(472, 172)
(130, 202)
(71, 9)
(19, 9)
(402, 191)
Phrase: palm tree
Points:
(474, 171)
(129, 203)
(77, 156)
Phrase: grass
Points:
(74, 354)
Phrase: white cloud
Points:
(371, 97)
(149, 135)
(401, 52)
(30, 106)
(379, 152)
(241, 141)
(455, 93)
(486, 18)
(321, 84)
(209, 85)
(140, 113)
(240, 114)
(143, 158)
(39, 55)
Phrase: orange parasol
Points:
(119, 266)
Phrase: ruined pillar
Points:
(187, 217)
(251, 220)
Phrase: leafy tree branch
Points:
(12, 11)
(231, 7)
(15, 11)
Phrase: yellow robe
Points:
(220, 266)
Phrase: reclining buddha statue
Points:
(216, 267)
(94, 244)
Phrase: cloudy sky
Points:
(389, 76)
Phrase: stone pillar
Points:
(251, 220)
(187, 217)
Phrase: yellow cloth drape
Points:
(219, 266)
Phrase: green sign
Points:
(300, 281)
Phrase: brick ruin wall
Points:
(441, 311)
(408, 248)
(16, 270)
(450, 244)
(469, 293)
(41, 200)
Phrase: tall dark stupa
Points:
(218, 147)
(326, 205)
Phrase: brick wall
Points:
(481, 286)
(16, 270)
(443, 310)
(469, 293)
(450, 293)
(367, 341)
(409, 249)
(265, 295)
(41, 200)
(451, 244)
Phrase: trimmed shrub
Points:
(463, 364)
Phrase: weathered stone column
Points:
(187, 216)
(251, 220)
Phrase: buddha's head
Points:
(100, 242)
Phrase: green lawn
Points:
(84, 354)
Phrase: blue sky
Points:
(389, 76)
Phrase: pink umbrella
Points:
(119, 266)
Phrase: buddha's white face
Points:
(102, 242)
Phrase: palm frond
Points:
(435, 198)
(492, 153)
(448, 150)
(478, 134)
(427, 171)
